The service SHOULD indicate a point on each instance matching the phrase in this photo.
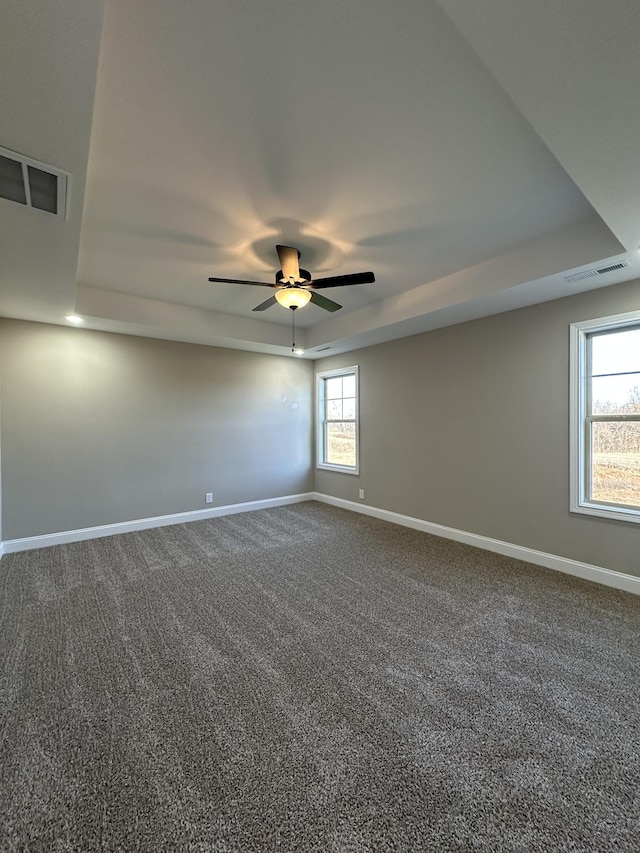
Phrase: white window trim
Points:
(578, 333)
(320, 377)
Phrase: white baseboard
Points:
(12, 545)
(598, 574)
(618, 580)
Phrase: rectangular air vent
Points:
(323, 349)
(32, 184)
(613, 267)
(592, 273)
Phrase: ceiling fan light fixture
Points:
(293, 297)
(294, 287)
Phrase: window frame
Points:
(581, 420)
(321, 420)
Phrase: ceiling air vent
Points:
(592, 273)
(323, 349)
(33, 184)
(613, 267)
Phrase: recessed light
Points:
(73, 318)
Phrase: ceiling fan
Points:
(294, 286)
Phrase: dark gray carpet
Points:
(304, 678)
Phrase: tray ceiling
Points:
(459, 152)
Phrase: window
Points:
(337, 398)
(605, 417)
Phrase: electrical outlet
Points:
(361, 494)
(209, 497)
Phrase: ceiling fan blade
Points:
(289, 257)
(266, 304)
(344, 280)
(323, 302)
(242, 281)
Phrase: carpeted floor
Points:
(308, 679)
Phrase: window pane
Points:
(349, 386)
(615, 473)
(615, 395)
(341, 444)
(349, 408)
(333, 387)
(617, 352)
(334, 410)
(337, 419)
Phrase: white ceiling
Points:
(470, 154)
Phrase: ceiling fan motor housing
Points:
(283, 281)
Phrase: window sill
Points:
(323, 466)
(604, 511)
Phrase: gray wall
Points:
(0, 454)
(465, 426)
(468, 427)
(100, 428)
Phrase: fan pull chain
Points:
(293, 330)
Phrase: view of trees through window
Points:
(614, 419)
(340, 425)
